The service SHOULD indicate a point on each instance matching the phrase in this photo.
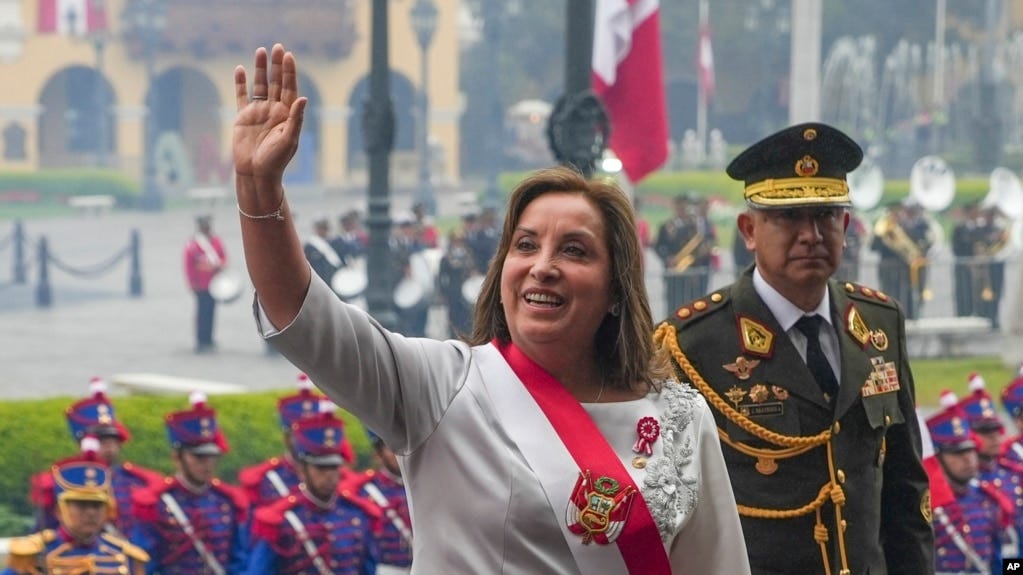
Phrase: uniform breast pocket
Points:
(882, 412)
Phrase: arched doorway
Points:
(186, 111)
(76, 127)
(403, 96)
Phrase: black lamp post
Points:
(578, 127)
(148, 20)
(98, 39)
(424, 23)
(493, 11)
(378, 135)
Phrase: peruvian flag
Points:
(71, 17)
(629, 78)
(705, 58)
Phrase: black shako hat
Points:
(803, 165)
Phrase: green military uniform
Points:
(823, 485)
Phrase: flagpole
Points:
(701, 91)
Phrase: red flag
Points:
(72, 17)
(705, 61)
(629, 78)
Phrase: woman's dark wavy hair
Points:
(625, 349)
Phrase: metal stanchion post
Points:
(44, 297)
(135, 277)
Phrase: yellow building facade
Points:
(75, 97)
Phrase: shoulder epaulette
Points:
(353, 481)
(148, 475)
(870, 295)
(251, 476)
(129, 549)
(367, 505)
(33, 544)
(24, 551)
(700, 307)
(266, 520)
(236, 495)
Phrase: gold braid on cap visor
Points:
(798, 192)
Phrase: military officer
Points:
(967, 527)
(193, 523)
(94, 415)
(808, 377)
(79, 545)
(321, 528)
(277, 477)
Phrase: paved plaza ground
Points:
(94, 328)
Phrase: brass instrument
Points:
(687, 255)
(888, 229)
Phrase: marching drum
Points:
(350, 281)
(409, 293)
(226, 286)
(471, 288)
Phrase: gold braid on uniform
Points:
(794, 445)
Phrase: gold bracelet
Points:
(276, 214)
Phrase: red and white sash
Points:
(559, 439)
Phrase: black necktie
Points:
(810, 325)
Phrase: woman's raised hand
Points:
(269, 121)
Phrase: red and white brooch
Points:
(648, 430)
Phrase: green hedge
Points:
(34, 434)
(55, 186)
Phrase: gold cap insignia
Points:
(755, 338)
(807, 167)
(809, 134)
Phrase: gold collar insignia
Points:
(755, 338)
(856, 327)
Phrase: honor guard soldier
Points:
(321, 528)
(979, 411)
(967, 528)
(808, 377)
(1012, 449)
(277, 477)
(193, 523)
(94, 415)
(78, 546)
(384, 487)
